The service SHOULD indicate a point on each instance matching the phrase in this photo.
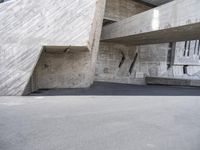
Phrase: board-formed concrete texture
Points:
(187, 53)
(117, 10)
(28, 27)
(175, 21)
(130, 64)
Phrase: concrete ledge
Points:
(171, 81)
(176, 21)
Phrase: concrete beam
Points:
(175, 21)
(27, 27)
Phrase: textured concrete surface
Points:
(29, 26)
(172, 81)
(70, 69)
(187, 53)
(156, 2)
(54, 44)
(120, 9)
(99, 123)
(101, 88)
(174, 21)
(130, 64)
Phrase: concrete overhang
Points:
(175, 21)
(156, 2)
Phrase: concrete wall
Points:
(124, 63)
(116, 62)
(187, 53)
(158, 60)
(113, 63)
(130, 64)
(120, 9)
(185, 60)
(62, 70)
(30, 27)
(69, 69)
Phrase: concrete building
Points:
(70, 44)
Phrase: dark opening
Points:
(185, 48)
(185, 69)
(122, 60)
(133, 63)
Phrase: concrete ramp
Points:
(178, 20)
(28, 26)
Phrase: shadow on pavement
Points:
(115, 89)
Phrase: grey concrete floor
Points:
(100, 123)
(101, 88)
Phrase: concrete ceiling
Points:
(156, 2)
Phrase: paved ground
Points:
(100, 123)
(99, 88)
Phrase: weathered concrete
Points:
(156, 2)
(28, 27)
(187, 53)
(63, 70)
(120, 9)
(172, 81)
(130, 64)
(119, 63)
(114, 61)
(56, 69)
(176, 21)
(99, 123)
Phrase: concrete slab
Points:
(99, 123)
(178, 20)
(29, 26)
(172, 81)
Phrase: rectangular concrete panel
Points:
(175, 21)
(27, 27)
(187, 53)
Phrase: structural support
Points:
(175, 21)
(27, 27)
